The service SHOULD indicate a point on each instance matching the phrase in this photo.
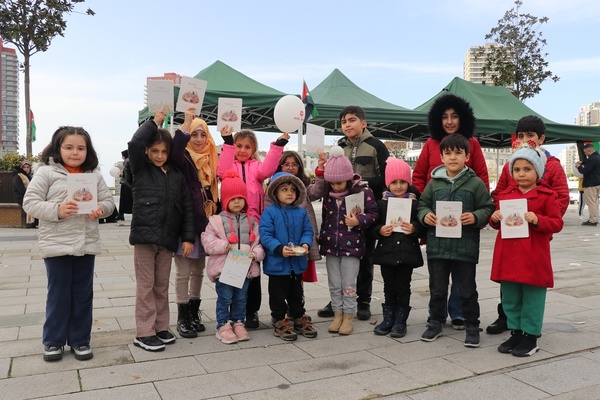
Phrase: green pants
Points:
(524, 306)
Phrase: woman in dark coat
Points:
(21, 177)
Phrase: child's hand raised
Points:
(284, 136)
(159, 118)
(226, 130)
(189, 116)
(322, 160)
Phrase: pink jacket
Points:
(215, 244)
(253, 172)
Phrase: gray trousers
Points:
(341, 276)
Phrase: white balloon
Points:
(114, 172)
(289, 113)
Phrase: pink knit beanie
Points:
(338, 168)
(397, 169)
(232, 186)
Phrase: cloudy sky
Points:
(401, 51)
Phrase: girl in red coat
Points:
(524, 280)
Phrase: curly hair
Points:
(460, 106)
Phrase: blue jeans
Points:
(69, 302)
(231, 302)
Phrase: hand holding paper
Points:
(531, 218)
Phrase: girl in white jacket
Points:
(68, 240)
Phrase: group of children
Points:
(175, 213)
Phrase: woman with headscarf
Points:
(21, 177)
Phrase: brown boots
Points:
(342, 323)
(336, 323)
(346, 327)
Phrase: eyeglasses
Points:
(290, 165)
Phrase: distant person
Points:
(367, 155)
(239, 153)
(21, 177)
(68, 241)
(532, 130)
(522, 266)
(162, 214)
(454, 181)
(590, 169)
(126, 180)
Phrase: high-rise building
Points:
(589, 115)
(9, 100)
(473, 65)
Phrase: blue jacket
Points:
(280, 225)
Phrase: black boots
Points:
(184, 323)
(195, 316)
(399, 328)
(386, 325)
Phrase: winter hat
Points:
(25, 162)
(338, 168)
(397, 169)
(535, 156)
(232, 186)
(285, 177)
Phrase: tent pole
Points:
(300, 150)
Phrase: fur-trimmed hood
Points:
(285, 177)
(460, 106)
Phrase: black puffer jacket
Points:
(162, 206)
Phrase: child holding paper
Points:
(454, 182)
(232, 228)
(286, 235)
(397, 252)
(68, 241)
(342, 236)
(524, 279)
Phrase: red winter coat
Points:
(527, 260)
(554, 177)
(430, 158)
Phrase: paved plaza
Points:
(359, 366)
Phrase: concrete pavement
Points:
(359, 366)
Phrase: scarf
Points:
(407, 195)
(206, 164)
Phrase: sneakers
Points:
(326, 312)
(512, 342)
(83, 352)
(284, 330)
(166, 337)
(303, 326)
(526, 347)
(149, 343)
(589, 223)
(472, 336)
(239, 330)
(53, 353)
(434, 331)
(458, 324)
(363, 311)
(496, 327)
(252, 320)
(225, 334)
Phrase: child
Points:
(239, 154)
(342, 236)
(68, 242)
(286, 236)
(397, 252)
(450, 115)
(162, 213)
(524, 279)
(454, 181)
(232, 228)
(531, 129)
(195, 154)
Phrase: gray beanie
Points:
(536, 157)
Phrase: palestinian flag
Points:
(310, 110)
(31, 126)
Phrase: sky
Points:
(404, 52)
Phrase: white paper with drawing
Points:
(229, 112)
(191, 94)
(160, 96)
(513, 224)
(355, 203)
(398, 211)
(235, 268)
(448, 219)
(315, 139)
(83, 189)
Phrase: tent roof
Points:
(224, 81)
(497, 112)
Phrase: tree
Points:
(517, 61)
(31, 25)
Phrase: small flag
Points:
(310, 110)
(31, 126)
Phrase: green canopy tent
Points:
(224, 81)
(385, 120)
(497, 111)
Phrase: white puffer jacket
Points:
(77, 235)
